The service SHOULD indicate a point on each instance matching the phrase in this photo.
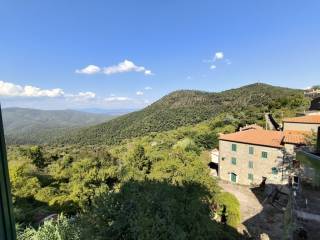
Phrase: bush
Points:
(232, 206)
(61, 229)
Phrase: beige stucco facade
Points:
(300, 126)
(262, 167)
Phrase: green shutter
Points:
(264, 155)
(234, 161)
(7, 225)
(233, 177)
(250, 164)
(234, 147)
(250, 176)
(251, 150)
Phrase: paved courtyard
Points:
(259, 220)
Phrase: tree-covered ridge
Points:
(155, 185)
(33, 126)
(133, 189)
(188, 107)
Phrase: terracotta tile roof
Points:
(304, 119)
(256, 137)
(295, 137)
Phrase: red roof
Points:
(266, 137)
(295, 137)
(256, 137)
(315, 119)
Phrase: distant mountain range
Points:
(179, 108)
(187, 107)
(111, 112)
(23, 125)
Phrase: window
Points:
(251, 150)
(250, 164)
(234, 147)
(274, 170)
(264, 155)
(233, 177)
(250, 176)
(234, 161)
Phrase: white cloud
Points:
(213, 67)
(126, 66)
(148, 88)
(139, 93)
(148, 72)
(218, 56)
(228, 61)
(114, 99)
(8, 89)
(12, 90)
(189, 77)
(90, 69)
(81, 96)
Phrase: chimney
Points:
(318, 141)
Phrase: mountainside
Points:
(189, 107)
(24, 125)
(111, 112)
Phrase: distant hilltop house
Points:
(314, 93)
(253, 155)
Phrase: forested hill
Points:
(23, 125)
(189, 107)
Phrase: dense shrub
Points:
(232, 206)
(60, 229)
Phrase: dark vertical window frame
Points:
(7, 224)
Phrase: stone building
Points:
(306, 123)
(248, 156)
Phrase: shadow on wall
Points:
(154, 210)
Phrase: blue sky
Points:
(138, 51)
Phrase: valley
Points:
(87, 175)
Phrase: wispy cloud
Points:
(139, 93)
(90, 69)
(228, 61)
(81, 96)
(148, 88)
(214, 61)
(114, 99)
